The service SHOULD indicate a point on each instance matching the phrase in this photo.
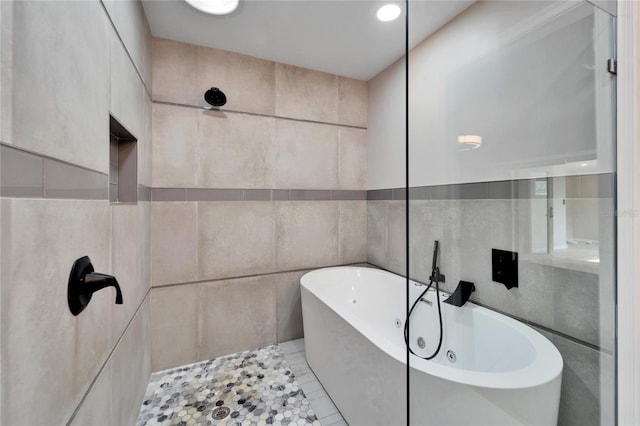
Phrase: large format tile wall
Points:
(246, 199)
(65, 67)
(570, 301)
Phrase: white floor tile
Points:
(292, 346)
(331, 419)
(319, 394)
(312, 387)
(321, 403)
(323, 407)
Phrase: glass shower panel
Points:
(512, 171)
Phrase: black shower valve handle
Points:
(83, 282)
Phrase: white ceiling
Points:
(338, 37)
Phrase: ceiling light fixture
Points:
(214, 7)
(388, 12)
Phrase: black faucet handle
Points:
(95, 281)
(83, 282)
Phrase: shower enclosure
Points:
(512, 152)
(481, 130)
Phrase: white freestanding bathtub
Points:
(491, 370)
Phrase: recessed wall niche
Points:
(123, 164)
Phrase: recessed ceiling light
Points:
(388, 12)
(214, 7)
(584, 164)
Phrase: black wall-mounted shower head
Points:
(215, 97)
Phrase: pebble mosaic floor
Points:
(246, 388)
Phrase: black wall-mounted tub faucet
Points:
(461, 294)
(83, 282)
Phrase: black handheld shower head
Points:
(435, 255)
(215, 97)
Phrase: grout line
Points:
(257, 114)
(249, 276)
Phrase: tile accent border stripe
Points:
(144, 193)
(231, 111)
(205, 194)
(584, 186)
(25, 174)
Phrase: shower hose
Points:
(435, 277)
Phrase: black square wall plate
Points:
(504, 267)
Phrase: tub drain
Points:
(451, 356)
(421, 343)
(220, 413)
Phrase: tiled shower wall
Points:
(245, 200)
(570, 301)
(65, 67)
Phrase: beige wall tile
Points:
(175, 156)
(307, 155)
(6, 71)
(146, 244)
(116, 396)
(396, 237)
(236, 239)
(145, 143)
(427, 223)
(51, 235)
(352, 231)
(236, 151)
(248, 82)
(126, 89)
(61, 59)
(475, 237)
(289, 306)
(377, 212)
(174, 242)
(131, 368)
(352, 159)
(236, 315)
(131, 23)
(174, 72)
(306, 94)
(130, 256)
(307, 234)
(69, 51)
(97, 408)
(352, 102)
(174, 313)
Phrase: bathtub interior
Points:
(490, 349)
(477, 341)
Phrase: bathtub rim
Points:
(546, 367)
